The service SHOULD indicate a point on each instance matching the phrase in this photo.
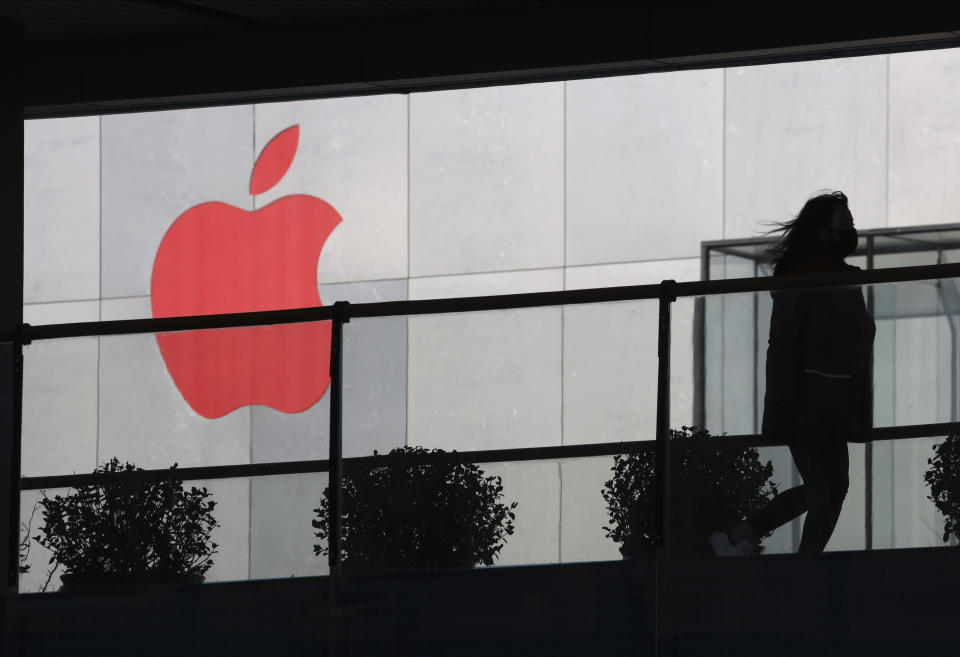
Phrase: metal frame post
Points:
(662, 468)
(341, 316)
(700, 345)
(11, 316)
(663, 460)
(868, 446)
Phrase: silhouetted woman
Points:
(819, 377)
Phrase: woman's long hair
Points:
(799, 237)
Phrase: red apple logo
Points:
(217, 258)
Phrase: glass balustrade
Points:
(197, 398)
(488, 438)
(914, 384)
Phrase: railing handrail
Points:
(885, 231)
(544, 453)
(29, 333)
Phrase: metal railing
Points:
(666, 293)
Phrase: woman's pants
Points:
(819, 450)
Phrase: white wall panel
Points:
(925, 137)
(352, 154)
(610, 372)
(466, 285)
(232, 536)
(59, 434)
(59, 312)
(374, 385)
(650, 272)
(795, 129)
(610, 355)
(535, 486)
(282, 538)
(157, 165)
(488, 380)
(486, 179)
(916, 367)
(584, 511)
(304, 436)
(125, 308)
(61, 209)
(644, 166)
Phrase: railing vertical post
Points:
(868, 446)
(340, 317)
(11, 317)
(662, 469)
(663, 460)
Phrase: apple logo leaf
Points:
(274, 160)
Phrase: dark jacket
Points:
(819, 335)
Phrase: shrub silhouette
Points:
(714, 487)
(943, 478)
(125, 531)
(24, 554)
(408, 510)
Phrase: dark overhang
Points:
(100, 56)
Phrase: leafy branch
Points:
(122, 528)
(714, 487)
(943, 478)
(409, 510)
(24, 548)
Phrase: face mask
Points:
(842, 242)
(846, 241)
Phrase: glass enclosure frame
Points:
(935, 245)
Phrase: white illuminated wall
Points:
(551, 186)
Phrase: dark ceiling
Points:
(96, 56)
(57, 21)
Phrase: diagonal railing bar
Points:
(182, 474)
(170, 324)
(478, 456)
(29, 333)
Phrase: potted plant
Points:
(943, 478)
(414, 508)
(713, 487)
(122, 531)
